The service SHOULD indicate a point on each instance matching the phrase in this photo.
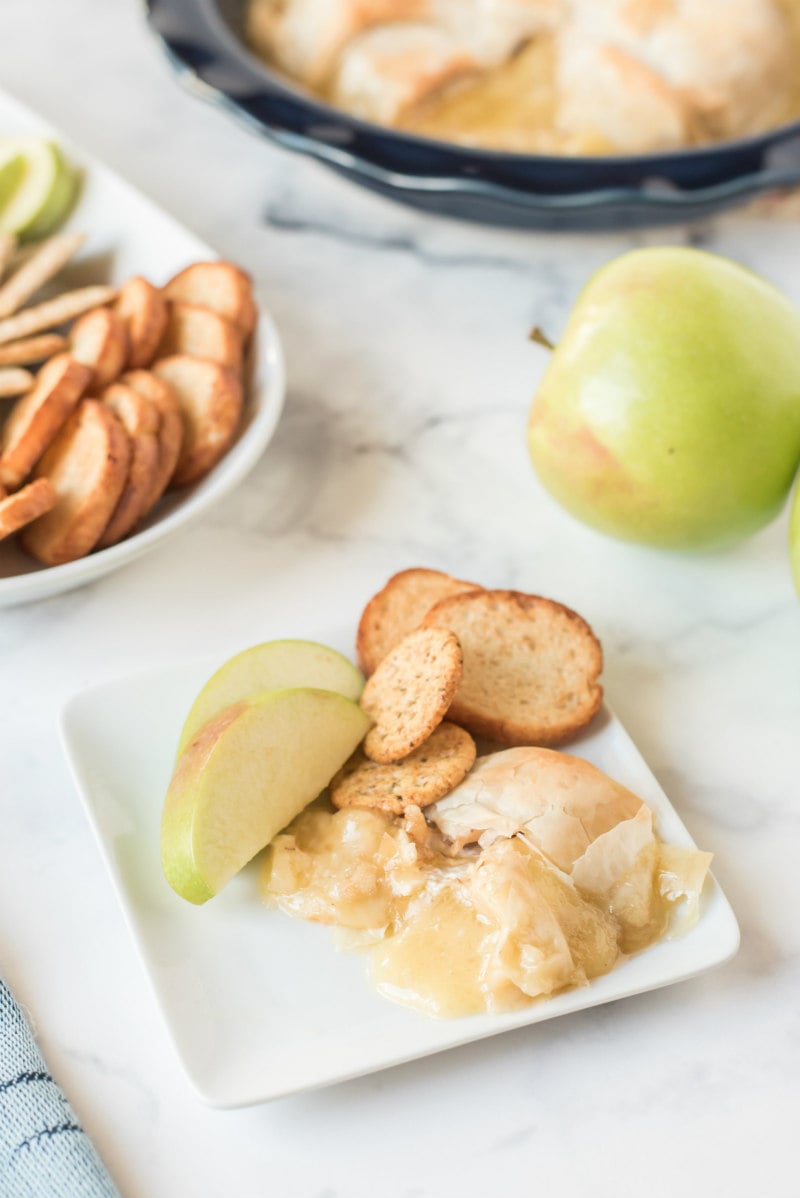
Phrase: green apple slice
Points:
(248, 773)
(44, 192)
(273, 665)
(11, 169)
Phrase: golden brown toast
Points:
(221, 286)
(87, 465)
(144, 311)
(210, 398)
(170, 429)
(99, 339)
(37, 417)
(200, 333)
(531, 667)
(398, 608)
(25, 505)
(141, 420)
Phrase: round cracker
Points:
(531, 667)
(87, 465)
(210, 398)
(170, 433)
(140, 419)
(427, 774)
(200, 333)
(398, 608)
(99, 339)
(37, 418)
(410, 692)
(219, 285)
(143, 309)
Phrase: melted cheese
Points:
(483, 931)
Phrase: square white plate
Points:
(260, 1005)
(129, 235)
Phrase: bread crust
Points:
(221, 286)
(87, 466)
(210, 398)
(143, 309)
(36, 418)
(25, 505)
(200, 333)
(531, 667)
(99, 339)
(398, 608)
(170, 428)
(140, 419)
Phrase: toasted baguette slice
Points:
(99, 339)
(530, 667)
(221, 286)
(26, 505)
(210, 397)
(138, 414)
(170, 429)
(140, 418)
(200, 333)
(144, 311)
(399, 608)
(37, 417)
(87, 465)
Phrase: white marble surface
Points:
(403, 444)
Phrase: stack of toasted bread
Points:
(450, 663)
(141, 392)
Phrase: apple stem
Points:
(540, 337)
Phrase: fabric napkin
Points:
(44, 1152)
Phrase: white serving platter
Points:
(260, 1005)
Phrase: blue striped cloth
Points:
(44, 1152)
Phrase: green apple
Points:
(670, 410)
(248, 773)
(794, 537)
(271, 666)
(44, 191)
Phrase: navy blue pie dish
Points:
(203, 40)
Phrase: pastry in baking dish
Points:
(557, 76)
